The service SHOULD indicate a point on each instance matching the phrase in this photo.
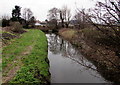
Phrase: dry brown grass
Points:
(67, 33)
(101, 55)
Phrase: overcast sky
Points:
(40, 7)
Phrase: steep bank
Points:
(103, 57)
(25, 60)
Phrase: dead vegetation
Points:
(102, 55)
(11, 32)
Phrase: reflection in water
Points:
(67, 65)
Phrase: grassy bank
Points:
(0, 55)
(89, 43)
(25, 60)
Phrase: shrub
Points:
(5, 22)
(16, 26)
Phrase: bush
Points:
(5, 22)
(16, 26)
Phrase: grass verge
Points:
(29, 54)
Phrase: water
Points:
(67, 65)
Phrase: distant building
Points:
(43, 23)
(38, 23)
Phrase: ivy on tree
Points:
(16, 13)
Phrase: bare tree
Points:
(81, 19)
(53, 17)
(106, 18)
(62, 18)
(24, 13)
(27, 16)
(7, 17)
(53, 13)
(110, 17)
(65, 15)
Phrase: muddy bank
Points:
(103, 57)
(7, 34)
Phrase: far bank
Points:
(101, 55)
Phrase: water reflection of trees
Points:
(59, 46)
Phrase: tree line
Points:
(59, 17)
(104, 13)
(26, 19)
(104, 17)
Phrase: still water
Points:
(68, 65)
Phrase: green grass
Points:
(11, 51)
(35, 66)
(0, 67)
